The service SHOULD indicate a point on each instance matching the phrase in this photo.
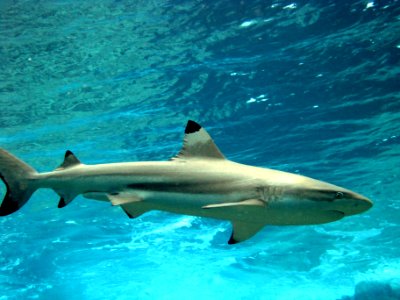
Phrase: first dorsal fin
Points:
(198, 143)
(70, 160)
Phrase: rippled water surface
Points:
(309, 87)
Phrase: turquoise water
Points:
(309, 87)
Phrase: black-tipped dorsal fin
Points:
(70, 160)
(197, 143)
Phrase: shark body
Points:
(199, 181)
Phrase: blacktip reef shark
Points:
(199, 181)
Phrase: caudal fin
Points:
(18, 178)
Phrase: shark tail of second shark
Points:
(19, 179)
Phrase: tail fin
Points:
(17, 176)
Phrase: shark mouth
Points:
(338, 213)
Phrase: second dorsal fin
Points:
(197, 143)
(70, 160)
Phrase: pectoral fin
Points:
(243, 231)
(249, 202)
(135, 209)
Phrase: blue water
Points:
(309, 87)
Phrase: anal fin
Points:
(65, 199)
(243, 230)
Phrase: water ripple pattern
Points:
(309, 87)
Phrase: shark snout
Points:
(354, 204)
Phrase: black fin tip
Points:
(62, 203)
(192, 127)
(8, 206)
(232, 241)
(127, 213)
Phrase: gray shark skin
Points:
(199, 181)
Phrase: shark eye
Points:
(339, 195)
